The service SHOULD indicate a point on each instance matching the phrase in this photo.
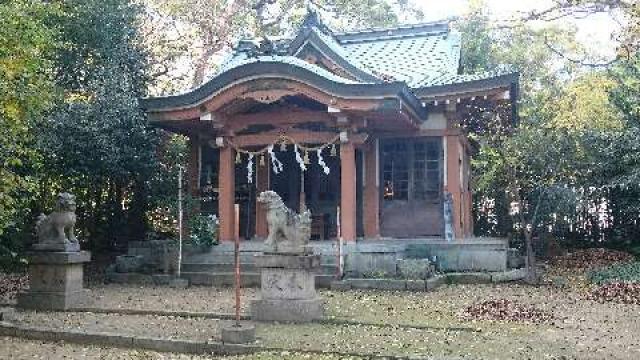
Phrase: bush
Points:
(203, 230)
(627, 272)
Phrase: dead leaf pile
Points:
(620, 292)
(503, 309)
(592, 258)
(11, 284)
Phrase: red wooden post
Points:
(237, 282)
(226, 200)
(348, 191)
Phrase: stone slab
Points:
(287, 261)
(415, 269)
(179, 283)
(287, 310)
(379, 284)
(416, 285)
(59, 257)
(434, 282)
(340, 285)
(129, 263)
(469, 278)
(7, 314)
(512, 275)
(238, 333)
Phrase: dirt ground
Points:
(19, 349)
(367, 322)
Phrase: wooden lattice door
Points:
(411, 175)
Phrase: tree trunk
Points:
(530, 260)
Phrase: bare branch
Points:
(581, 62)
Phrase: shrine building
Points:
(364, 128)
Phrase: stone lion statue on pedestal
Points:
(288, 232)
(56, 231)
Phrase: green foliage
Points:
(584, 105)
(97, 143)
(570, 131)
(628, 272)
(163, 186)
(203, 230)
(27, 41)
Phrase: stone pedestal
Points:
(55, 280)
(287, 288)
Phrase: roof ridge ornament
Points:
(314, 19)
(264, 47)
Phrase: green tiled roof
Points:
(243, 59)
(415, 60)
(421, 55)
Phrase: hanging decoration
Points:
(306, 157)
(299, 159)
(278, 167)
(321, 162)
(276, 164)
(250, 169)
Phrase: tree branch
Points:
(582, 61)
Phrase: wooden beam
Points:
(282, 117)
(299, 136)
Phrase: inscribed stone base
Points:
(55, 280)
(288, 291)
(238, 334)
(287, 310)
(294, 284)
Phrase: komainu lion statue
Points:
(56, 231)
(288, 232)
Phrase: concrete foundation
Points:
(288, 292)
(55, 280)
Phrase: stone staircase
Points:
(216, 267)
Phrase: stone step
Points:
(247, 279)
(222, 267)
(218, 267)
(245, 257)
(221, 278)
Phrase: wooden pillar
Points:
(454, 181)
(348, 191)
(371, 192)
(226, 199)
(262, 184)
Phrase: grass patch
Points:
(628, 272)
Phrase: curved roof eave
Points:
(278, 69)
(505, 80)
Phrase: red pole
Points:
(237, 266)
(237, 261)
(339, 247)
